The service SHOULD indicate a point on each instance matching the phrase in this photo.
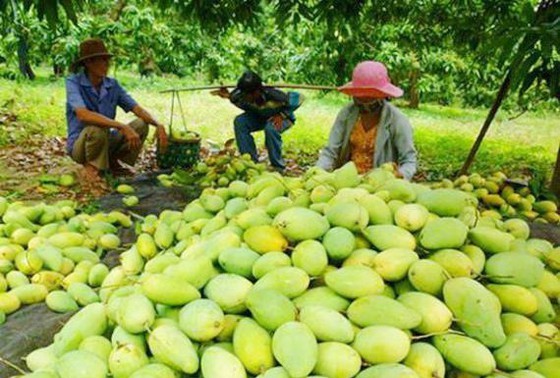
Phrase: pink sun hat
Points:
(370, 79)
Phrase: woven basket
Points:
(179, 154)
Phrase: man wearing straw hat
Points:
(95, 138)
(370, 131)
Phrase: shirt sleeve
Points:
(329, 154)
(406, 153)
(73, 95)
(125, 101)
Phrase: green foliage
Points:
(437, 51)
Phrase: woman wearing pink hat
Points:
(370, 131)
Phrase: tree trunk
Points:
(495, 107)
(555, 184)
(58, 70)
(117, 10)
(414, 96)
(23, 60)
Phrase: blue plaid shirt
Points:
(80, 93)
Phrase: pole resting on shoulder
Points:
(294, 86)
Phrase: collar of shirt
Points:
(106, 84)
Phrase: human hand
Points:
(396, 170)
(162, 138)
(222, 92)
(131, 136)
(277, 120)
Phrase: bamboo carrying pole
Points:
(294, 86)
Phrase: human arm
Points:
(144, 115)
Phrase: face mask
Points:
(369, 107)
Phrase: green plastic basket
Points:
(180, 154)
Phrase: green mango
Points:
(290, 281)
(477, 310)
(298, 223)
(518, 352)
(169, 290)
(349, 215)
(393, 264)
(238, 260)
(201, 320)
(327, 324)
(346, 176)
(310, 256)
(354, 281)
(425, 360)
(477, 257)
(427, 276)
(380, 344)
(98, 345)
(172, 347)
(465, 354)
(443, 233)
(336, 359)
(229, 291)
(154, 370)
(388, 370)
(515, 298)
(270, 261)
(381, 310)
(322, 296)
(515, 268)
(548, 367)
(265, 238)
(446, 202)
(136, 313)
(126, 359)
(80, 364)
(253, 346)
(491, 240)
(377, 209)
(270, 308)
(454, 262)
(295, 348)
(389, 236)
(514, 323)
(339, 243)
(436, 316)
(360, 256)
(545, 311)
(412, 217)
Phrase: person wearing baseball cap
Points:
(370, 131)
(265, 108)
(95, 138)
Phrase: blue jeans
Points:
(246, 123)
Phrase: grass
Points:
(443, 135)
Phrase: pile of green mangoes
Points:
(49, 253)
(217, 170)
(331, 274)
(503, 198)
